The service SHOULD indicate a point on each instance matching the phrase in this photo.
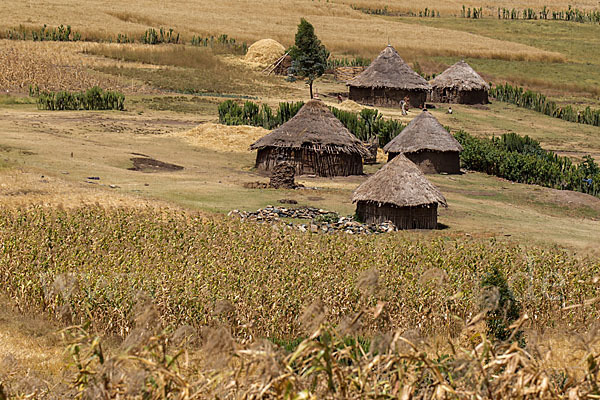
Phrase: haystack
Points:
(315, 142)
(387, 81)
(265, 52)
(460, 84)
(399, 192)
(427, 144)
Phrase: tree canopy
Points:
(309, 56)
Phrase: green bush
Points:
(522, 159)
(92, 99)
(501, 306)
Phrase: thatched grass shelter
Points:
(399, 192)
(460, 84)
(387, 81)
(315, 142)
(427, 144)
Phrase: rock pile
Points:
(283, 176)
(322, 221)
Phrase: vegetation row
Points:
(571, 14)
(151, 36)
(91, 264)
(92, 99)
(540, 103)
(522, 159)
(368, 125)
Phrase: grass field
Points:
(150, 260)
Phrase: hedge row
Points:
(540, 103)
(92, 99)
(522, 159)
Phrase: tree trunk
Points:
(310, 83)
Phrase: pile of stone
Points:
(283, 176)
(321, 221)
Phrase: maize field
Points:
(91, 264)
(347, 316)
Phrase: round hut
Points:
(460, 84)
(388, 81)
(427, 144)
(399, 192)
(315, 142)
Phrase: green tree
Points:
(502, 307)
(309, 56)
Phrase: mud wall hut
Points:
(460, 84)
(387, 81)
(428, 144)
(315, 142)
(399, 192)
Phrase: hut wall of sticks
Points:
(399, 192)
(315, 142)
(421, 217)
(310, 161)
(460, 84)
(387, 81)
(387, 97)
(428, 144)
(434, 162)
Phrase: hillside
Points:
(116, 242)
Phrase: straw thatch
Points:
(399, 183)
(460, 84)
(389, 70)
(388, 81)
(315, 141)
(424, 132)
(427, 144)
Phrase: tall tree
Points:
(309, 56)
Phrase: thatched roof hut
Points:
(399, 192)
(460, 84)
(387, 81)
(428, 144)
(315, 142)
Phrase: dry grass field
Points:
(342, 29)
(118, 219)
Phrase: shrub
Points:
(92, 99)
(522, 159)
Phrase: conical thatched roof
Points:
(314, 127)
(460, 76)
(400, 183)
(424, 132)
(389, 70)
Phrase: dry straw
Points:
(399, 183)
(389, 70)
(460, 76)
(423, 133)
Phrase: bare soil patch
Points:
(148, 164)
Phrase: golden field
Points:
(342, 29)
